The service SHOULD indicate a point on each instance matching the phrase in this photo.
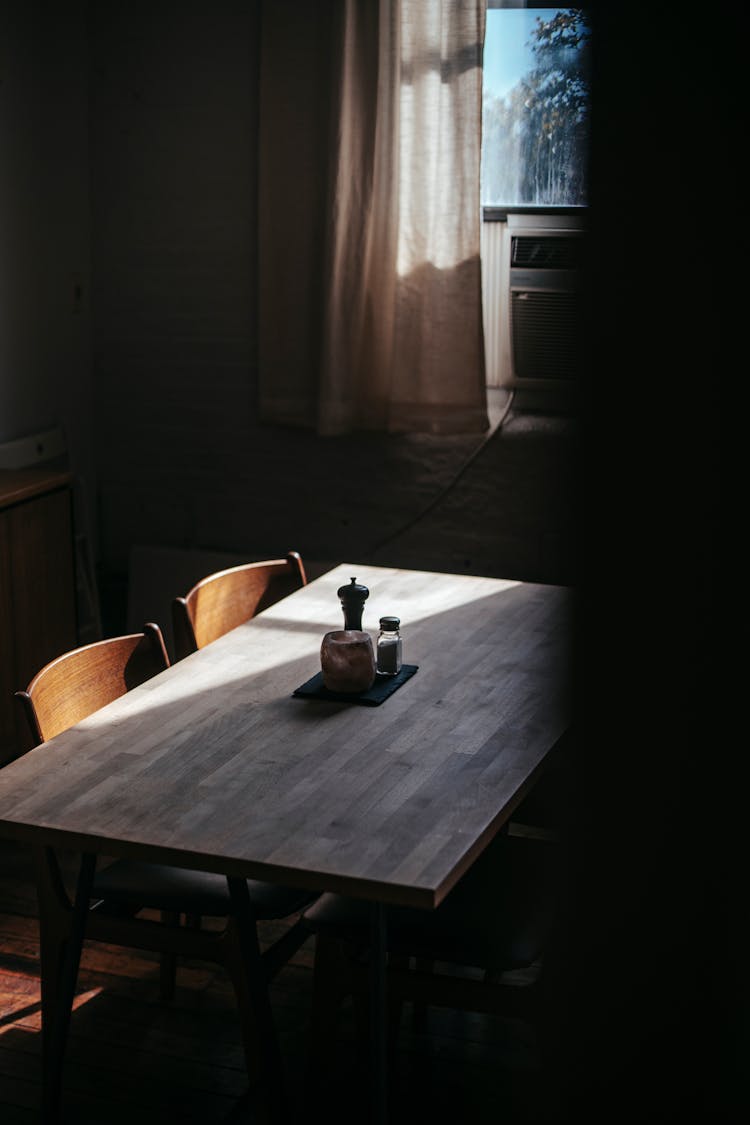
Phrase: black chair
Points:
(481, 950)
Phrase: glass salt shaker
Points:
(389, 646)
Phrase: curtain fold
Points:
(370, 284)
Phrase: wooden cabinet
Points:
(37, 586)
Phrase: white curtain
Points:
(370, 286)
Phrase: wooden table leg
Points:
(378, 1013)
(61, 932)
(251, 984)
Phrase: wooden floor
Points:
(132, 1059)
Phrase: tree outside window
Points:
(535, 118)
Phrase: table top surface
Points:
(213, 764)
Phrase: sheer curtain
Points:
(370, 286)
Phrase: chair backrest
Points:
(228, 598)
(79, 682)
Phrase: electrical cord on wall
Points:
(493, 429)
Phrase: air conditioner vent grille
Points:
(558, 252)
(547, 334)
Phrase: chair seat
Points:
(160, 887)
(497, 917)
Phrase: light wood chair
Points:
(65, 692)
(79, 682)
(228, 598)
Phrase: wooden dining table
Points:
(215, 764)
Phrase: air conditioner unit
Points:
(543, 339)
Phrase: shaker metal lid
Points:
(390, 624)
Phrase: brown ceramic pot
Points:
(347, 661)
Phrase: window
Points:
(535, 113)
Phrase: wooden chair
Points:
(221, 601)
(63, 693)
(482, 950)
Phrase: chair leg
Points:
(61, 934)
(360, 998)
(395, 1002)
(331, 985)
(243, 961)
(358, 986)
(235, 966)
(423, 965)
(168, 962)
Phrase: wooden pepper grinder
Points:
(353, 598)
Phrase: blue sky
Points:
(506, 56)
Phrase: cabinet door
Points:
(42, 580)
(37, 600)
(7, 651)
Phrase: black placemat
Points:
(380, 690)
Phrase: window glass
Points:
(535, 113)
